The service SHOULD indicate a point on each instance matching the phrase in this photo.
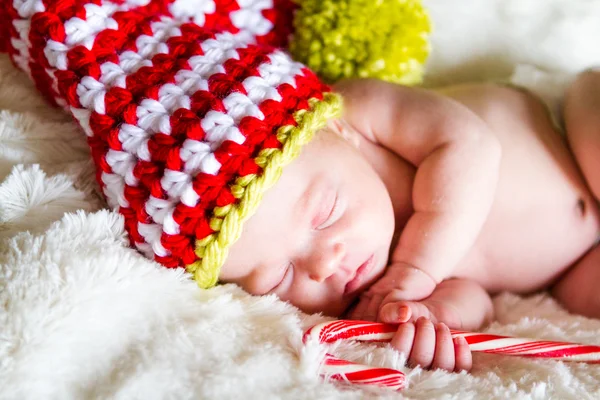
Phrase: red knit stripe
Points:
(220, 20)
(237, 160)
(119, 107)
(282, 17)
(37, 73)
(7, 29)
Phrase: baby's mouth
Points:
(361, 272)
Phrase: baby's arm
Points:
(457, 159)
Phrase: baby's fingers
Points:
(423, 348)
(367, 307)
(358, 311)
(462, 355)
(372, 308)
(444, 349)
(403, 338)
(397, 312)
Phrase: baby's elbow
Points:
(484, 144)
(493, 148)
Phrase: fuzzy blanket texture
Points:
(84, 316)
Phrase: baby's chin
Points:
(347, 304)
(335, 308)
(348, 310)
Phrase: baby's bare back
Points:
(543, 217)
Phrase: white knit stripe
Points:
(83, 117)
(122, 164)
(250, 18)
(199, 156)
(133, 138)
(25, 9)
(22, 45)
(152, 234)
(130, 4)
(59, 99)
(152, 116)
(281, 69)
(81, 32)
(97, 19)
(114, 189)
(148, 46)
(91, 92)
(84, 31)
(220, 127)
(196, 10)
(21, 57)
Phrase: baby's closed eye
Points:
(329, 213)
(283, 278)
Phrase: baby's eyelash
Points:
(332, 217)
(285, 273)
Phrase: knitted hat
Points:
(188, 126)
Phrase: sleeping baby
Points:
(408, 206)
(416, 205)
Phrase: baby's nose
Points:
(326, 261)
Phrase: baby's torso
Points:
(543, 217)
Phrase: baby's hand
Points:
(398, 312)
(430, 345)
(400, 282)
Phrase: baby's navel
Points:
(581, 206)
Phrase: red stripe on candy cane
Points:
(506, 345)
(337, 369)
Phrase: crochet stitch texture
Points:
(190, 114)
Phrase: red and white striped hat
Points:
(190, 117)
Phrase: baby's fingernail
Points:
(460, 341)
(443, 327)
(403, 312)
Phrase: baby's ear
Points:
(335, 125)
(340, 127)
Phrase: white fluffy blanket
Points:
(83, 316)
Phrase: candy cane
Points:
(341, 370)
(512, 346)
(334, 368)
(337, 369)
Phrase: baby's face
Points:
(321, 235)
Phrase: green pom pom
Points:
(385, 39)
